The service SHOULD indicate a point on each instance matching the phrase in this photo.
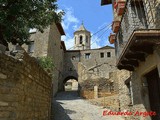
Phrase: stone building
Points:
(136, 39)
(49, 44)
(83, 63)
(82, 39)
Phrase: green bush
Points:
(46, 62)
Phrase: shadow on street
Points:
(68, 95)
(59, 113)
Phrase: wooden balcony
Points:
(115, 26)
(120, 7)
(138, 47)
(112, 38)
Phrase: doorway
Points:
(153, 81)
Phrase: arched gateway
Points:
(70, 83)
(68, 80)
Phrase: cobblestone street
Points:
(68, 106)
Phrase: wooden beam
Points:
(132, 62)
(126, 67)
(142, 48)
(135, 55)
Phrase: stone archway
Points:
(71, 80)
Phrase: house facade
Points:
(136, 38)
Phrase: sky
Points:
(94, 17)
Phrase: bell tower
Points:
(82, 38)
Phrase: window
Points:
(81, 40)
(102, 55)
(87, 56)
(86, 39)
(75, 40)
(70, 69)
(61, 47)
(31, 47)
(108, 54)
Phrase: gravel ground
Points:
(68, 106)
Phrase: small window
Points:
(75, 40)
(86, 39)
(108, 54)
(102, 55)
(31, 47)
(87, 56)
(73, 57)
(81, 40)
(70, 69)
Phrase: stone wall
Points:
(124, 99)
(78, 66)
(49, 44)
(87, 79)
(40, 43)
(55, 51)
(138, 99)
(87, 94)
(140, 92)
(25, 89)
(95, 66)
(71, 64)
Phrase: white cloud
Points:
(69, 41)
(75, 27)
(69, 19)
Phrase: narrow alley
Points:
(69, 106)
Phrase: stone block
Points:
(3, 76)
(3, 104)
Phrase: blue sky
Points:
(94, 17)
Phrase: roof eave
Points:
(60, 28)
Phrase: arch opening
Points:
(81, 39)
(71, 84)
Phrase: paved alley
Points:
(68, 106)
